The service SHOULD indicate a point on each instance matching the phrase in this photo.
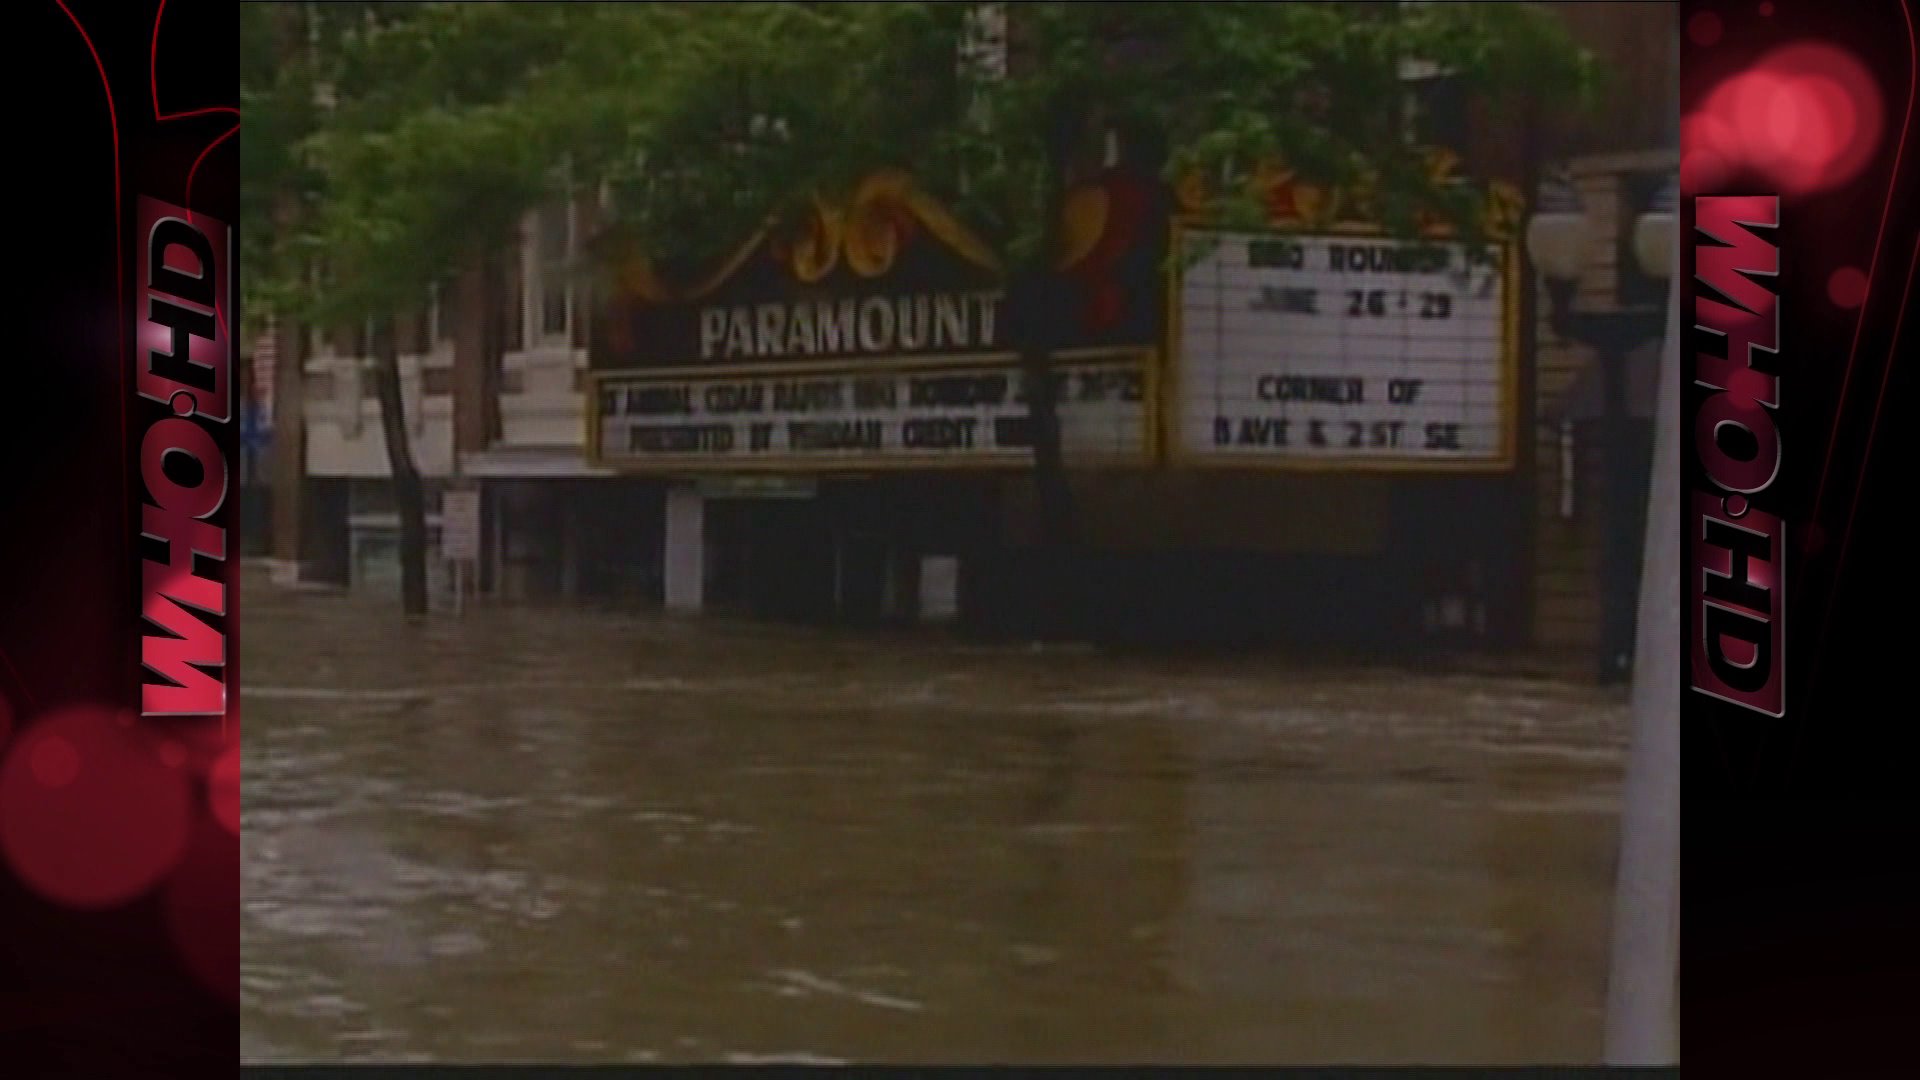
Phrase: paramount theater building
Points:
(1303, 432)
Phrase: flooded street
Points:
(526, 835)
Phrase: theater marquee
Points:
(874, 332)
(967, 415)
(1343, 351)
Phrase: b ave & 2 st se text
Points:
(1284, 431)
(1281, 433)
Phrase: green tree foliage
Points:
(707, 118)
(1218, 88)
(397, 143)
(398, 131)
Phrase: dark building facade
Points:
(1298, 435)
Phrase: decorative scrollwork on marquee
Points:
(867, 231)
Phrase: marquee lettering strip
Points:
(1400, 370)
(902, 415)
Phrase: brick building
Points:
(1618, 157)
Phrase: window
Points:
(355, 340)
(415, 339)
(1436, 101)
(1413, 67)
(985, 44)
(587, 215)
(431, 327)
(514, 332)
(984, 56)
(553, 251)
(1437, 111)
(319, 341)
(381, 336)
(582, 318)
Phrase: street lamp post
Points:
(1559, 242)
(1643, 1024)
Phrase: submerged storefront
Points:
(1295, 433)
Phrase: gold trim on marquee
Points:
(866, 232)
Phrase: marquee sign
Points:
(885, 274)
(966, 415)
(874, 332)
(1343, 350)
(870, 325)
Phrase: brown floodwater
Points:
(564, 835)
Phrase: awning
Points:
(385, 522)
(529, 463)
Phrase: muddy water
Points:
(528, 835)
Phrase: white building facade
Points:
(532, 457)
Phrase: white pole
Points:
(684, 549)
(498, 556)
(1643, 1006)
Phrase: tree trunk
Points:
(287, 457)
(1057, 524)
(1056, 592)
(479, 343)
(409, 495)
(1038, 335)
